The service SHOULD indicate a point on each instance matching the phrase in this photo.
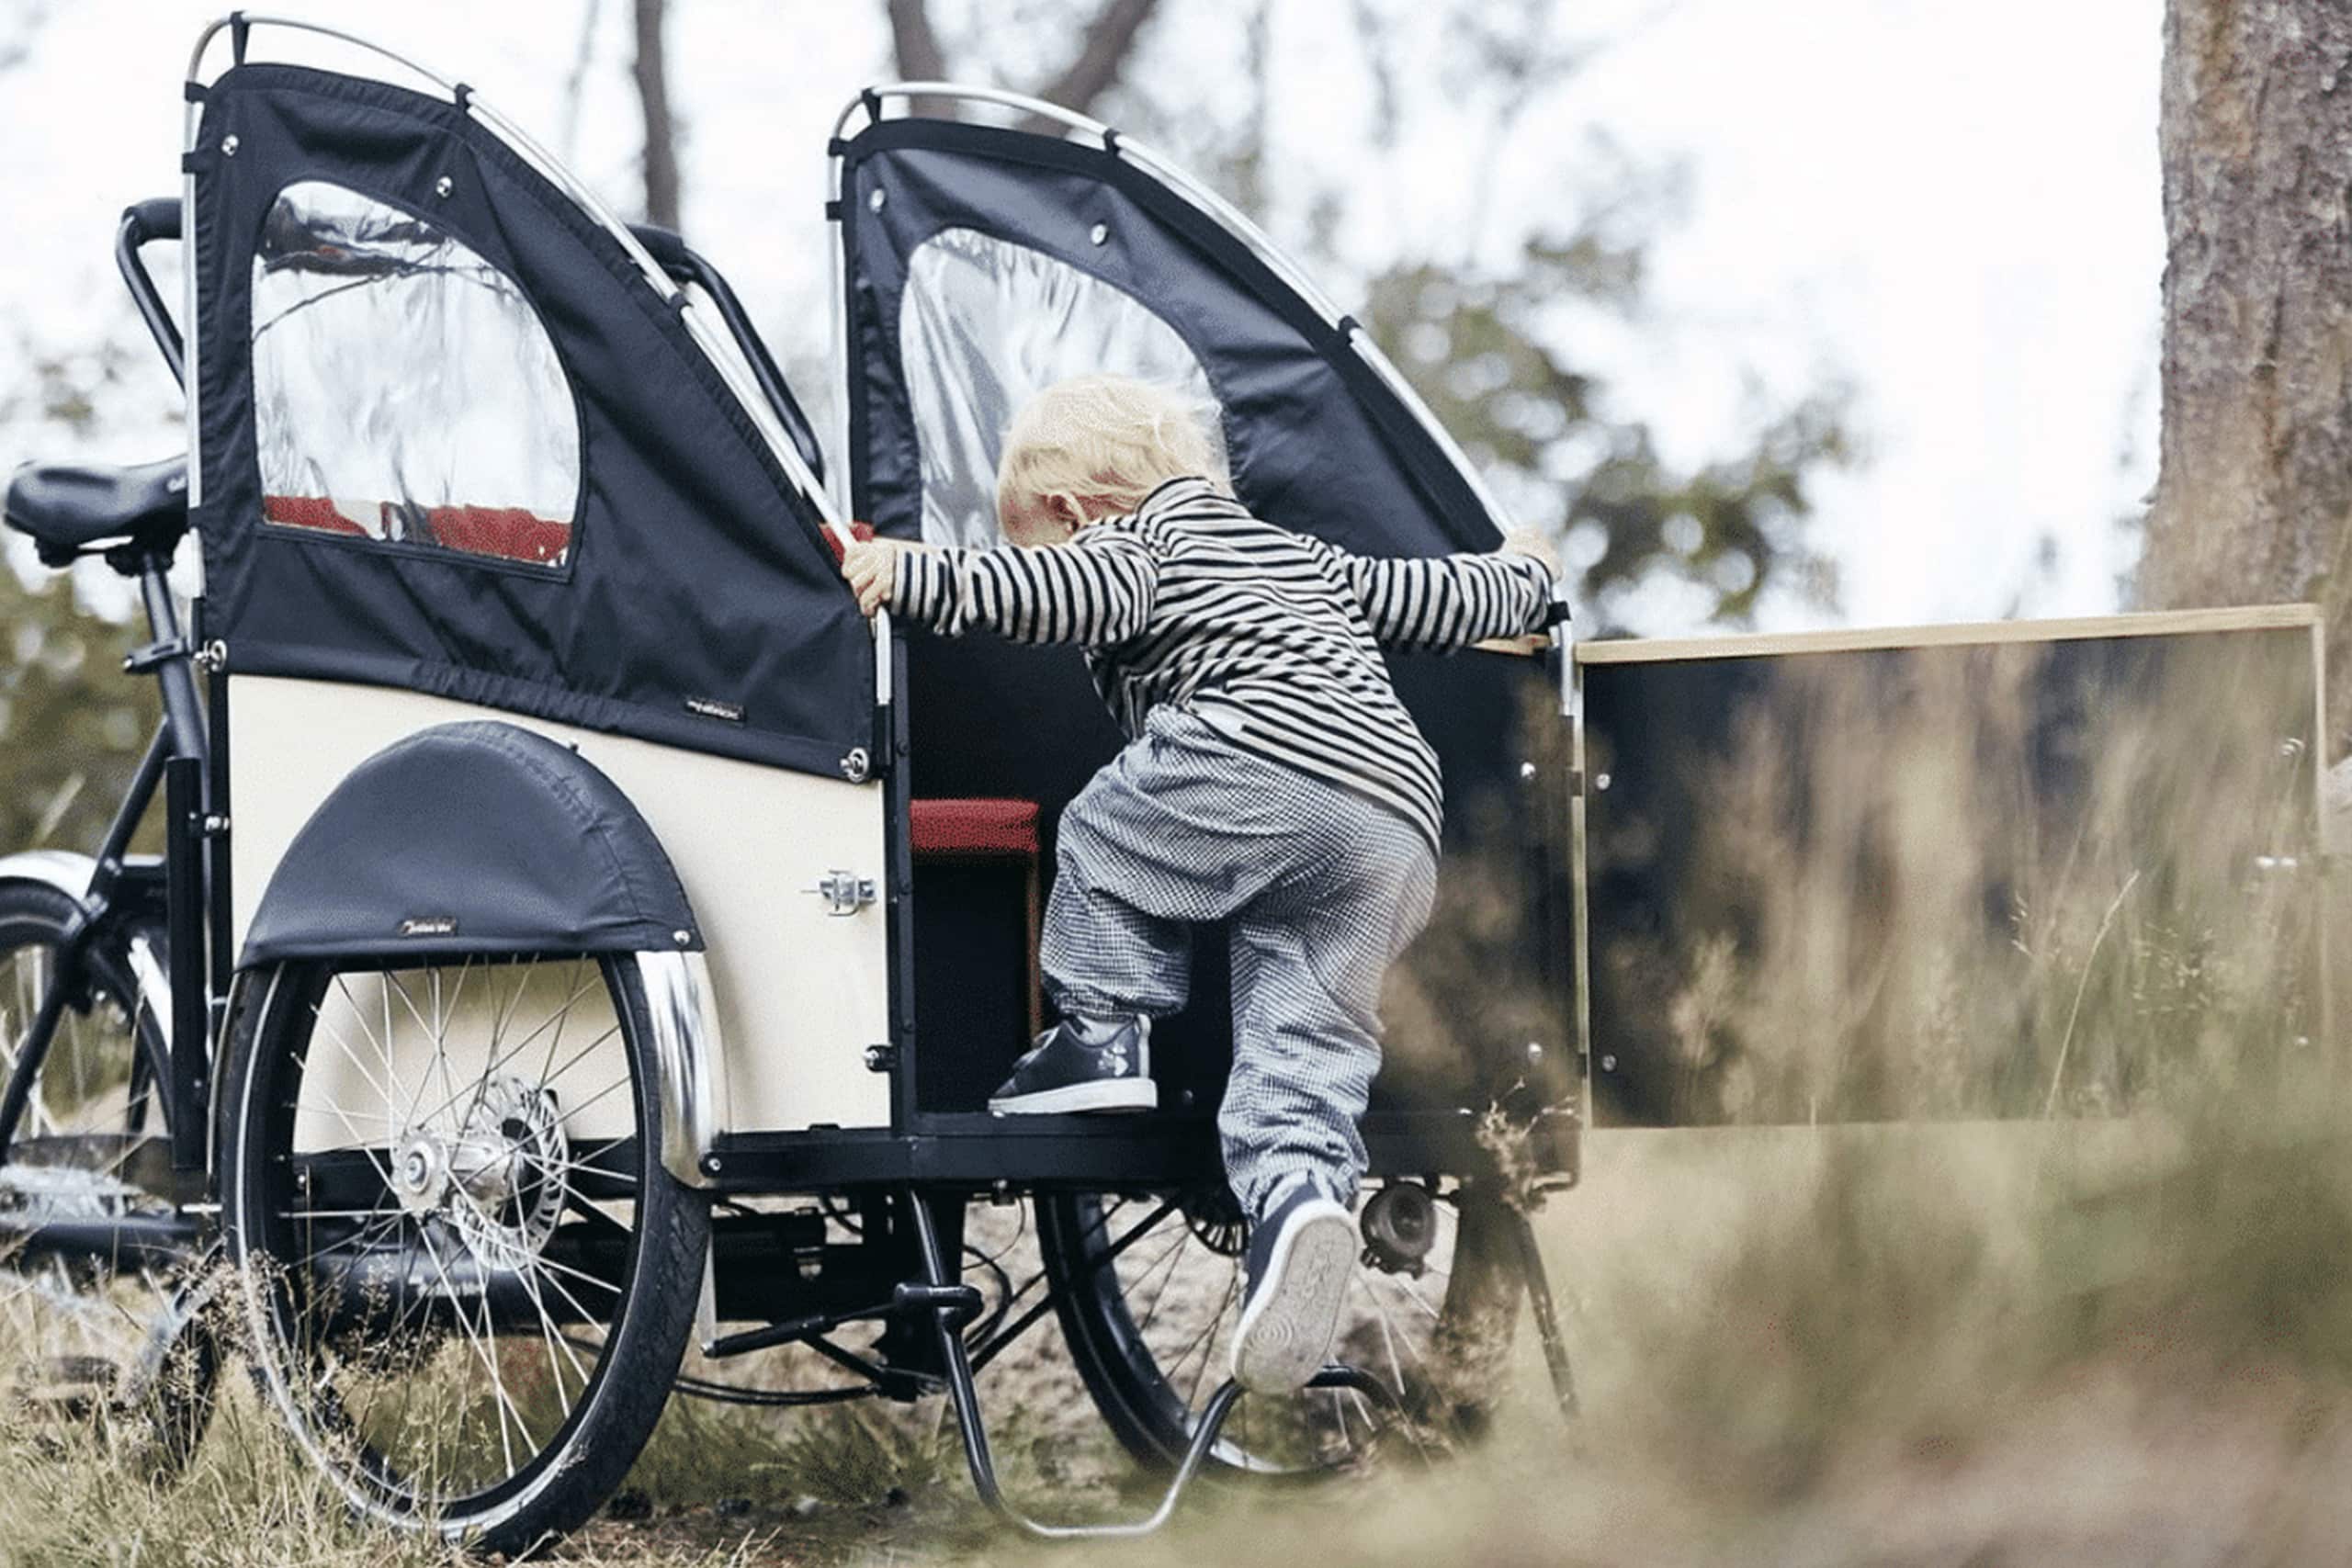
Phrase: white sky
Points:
(1954, 209)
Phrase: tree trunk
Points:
(1102, 52)
(2254, 496)
(653, 74)
(914, 43)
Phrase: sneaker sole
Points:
(1285, 1334)
(1109, 1094)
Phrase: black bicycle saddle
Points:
(69, 508)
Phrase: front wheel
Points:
(89, 1324)
(466, 1277)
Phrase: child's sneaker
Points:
(1301, 1255)
(1082, 1064)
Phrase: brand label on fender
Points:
(710, 708)
(429, 925)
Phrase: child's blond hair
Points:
(1104, 438)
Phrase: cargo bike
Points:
(582, 938)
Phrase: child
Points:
(1271, 780)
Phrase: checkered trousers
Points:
(1323, 889)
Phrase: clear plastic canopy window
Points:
(986, 324)
(403, 387)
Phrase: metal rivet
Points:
(874, 202)
(1526, 771)
(1608, 1064)
(1601, 781)
(683, 939)
(855, 765)
(1536, 1050)
(228, 147)
(1100, 232)
(444, 185)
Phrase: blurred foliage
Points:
(73, 725)
(1478, 347)
(68, 391)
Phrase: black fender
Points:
(487, 838)
(472, 837)
(137, 902)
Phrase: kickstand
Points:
(1547, 1316)
(936, 1298)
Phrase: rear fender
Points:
(70, 873)
(485, 838)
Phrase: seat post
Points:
(175, 668)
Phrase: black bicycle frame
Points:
(174, 763)
(177, 762)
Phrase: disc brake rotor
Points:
(505, 1173)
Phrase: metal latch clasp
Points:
(844, 891)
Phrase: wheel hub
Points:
(420, 1174)
(506, 1172)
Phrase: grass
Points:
(2115, 1328)
(2106, 1342)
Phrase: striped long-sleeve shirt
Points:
(1270, 637)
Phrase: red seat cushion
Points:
(309, 512)
(973, 827)
(508, 533)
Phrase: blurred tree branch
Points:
(24, 24)
(575, 86)
(651, 74)
(914, 43)
(1104, 48)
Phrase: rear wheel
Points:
(1151, 1289)
(98, 1316)
(468, 1278)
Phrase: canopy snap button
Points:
(874, 202)
(229, 146)
(444, 185)
(1100, 232)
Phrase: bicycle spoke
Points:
(335, 1035)
(553, 1339)
(424, 1079)
(588, 1210)
(517, 1050)
(498, 1387)
(1183, 1244)
(383, 1169)
(619, 1083)
(523, 1045)
(1206, 1339)
(580, 1274)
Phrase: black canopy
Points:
(682, 594)
(1317, 441)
